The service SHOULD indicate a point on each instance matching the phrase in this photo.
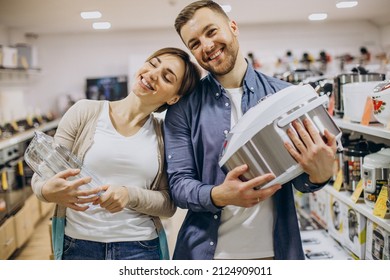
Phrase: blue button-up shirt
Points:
(195, 129)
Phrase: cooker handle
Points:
(301, 111)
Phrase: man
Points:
(227, 218)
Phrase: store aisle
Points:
(38, 246)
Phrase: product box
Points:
(318, 203)
(8, 57)
(301, 200)
(27, 56)
(355, 232)
(318, 245)
(377, 242)
(336, 212)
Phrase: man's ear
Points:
(234, 27)
(173, 100)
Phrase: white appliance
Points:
(257, 138)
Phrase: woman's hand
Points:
(66, 192)
(114, 199)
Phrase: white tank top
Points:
(119, 161)
(245, 233)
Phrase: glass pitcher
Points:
(47, 158)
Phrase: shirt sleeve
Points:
(188, 192)
(303, 184)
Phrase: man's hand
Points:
(234, 191)
(315, 154)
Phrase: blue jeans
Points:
(78, 249)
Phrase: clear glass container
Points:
(47, 158)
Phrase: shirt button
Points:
(227, 104)
(169, 156)
(215, 217)
(225, 132)
(211, 243)
(252, 88)
(217, 94)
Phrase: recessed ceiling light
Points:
(226, 8)
(318, 16)
(346, 4)
(101, 25)
(91, 15)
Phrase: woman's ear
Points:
(173, 100)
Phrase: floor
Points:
(38, 246)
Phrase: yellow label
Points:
(358, 191)
(20, 168)
(380, 208)
(4, 180)
(29, 120)
(15, 125)
(339, 181)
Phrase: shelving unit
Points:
(319, 205)
(382, 134)
(362, 208)
(18, 77)
(375, 130)
(28, 134)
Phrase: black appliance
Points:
(107, 88)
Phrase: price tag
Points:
(358, 191)
(368, 110)
(20, 168)
(338, 183)
(4, 180)
(380, 208)
(331, 105)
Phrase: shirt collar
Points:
(249, 82)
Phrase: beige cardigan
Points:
(76, 132)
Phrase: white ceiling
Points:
(63, 16)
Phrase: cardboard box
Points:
(318, 204)
(376, 242)
(355, 232)
(27, 56)
(336, 212)
(8, 57)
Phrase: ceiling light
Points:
(346, 4)
(226, 8)
(101, 25)
(319, 16)
(91, 15)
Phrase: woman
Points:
(121, 143)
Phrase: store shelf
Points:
(362, 208)
(377, 130)
(28, 134)
(17, 76)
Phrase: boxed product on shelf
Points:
(355, 231)
(377, 242)
(27, 56)
(301, 200)
(317, 202)
(8, 57)
(336, 210)
(318, 245)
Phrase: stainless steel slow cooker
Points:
(258, 138)
(358, 75)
